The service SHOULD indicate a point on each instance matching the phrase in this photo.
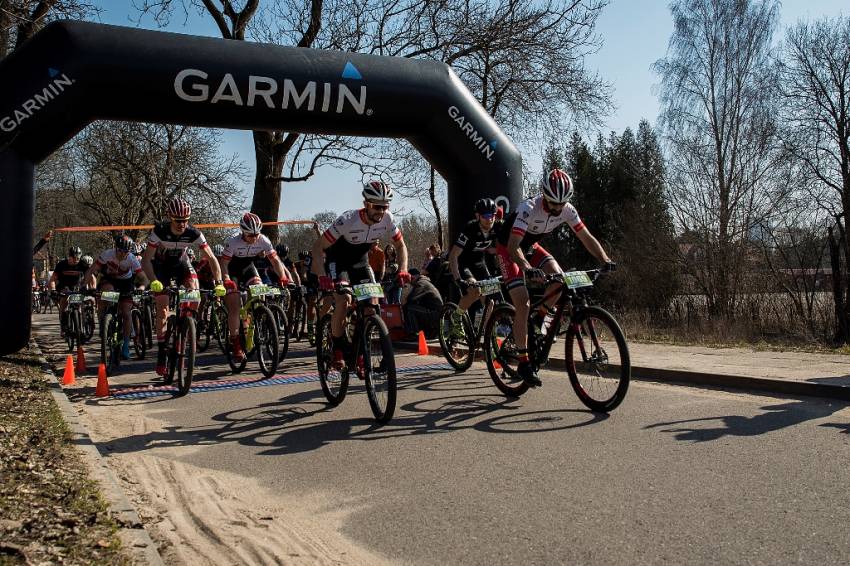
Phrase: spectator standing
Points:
(391, 286)
(376, 260)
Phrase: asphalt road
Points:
(462, 475)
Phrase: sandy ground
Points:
(201, 516)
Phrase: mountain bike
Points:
(139, 339)
(111, 331)
(180, 337)
(73, 320)
(298, 321)
(459, 342)
(370, 357)
(277, 304)
(212, 321)
(597, 356)
(144, 302)
(257, 332)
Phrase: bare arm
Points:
(515, 252)
(214, 265)
(401, 254)
(319, 248)
(51, 283)
(454, 253)
(147, 262)
(593, 246)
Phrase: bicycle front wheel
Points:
(202, 326)
(282, 331)
(500, 352)
(597, 359)
(140, 345)
(266, 340)
(379, 368)
(457, 338)
(70, 331)
(334, 382)
(185, 355)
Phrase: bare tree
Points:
(815, 89)
(716, 95)
(20, 19)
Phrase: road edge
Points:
(132, 532)
(692, 378)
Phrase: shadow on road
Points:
(776, 417)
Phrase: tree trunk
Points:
(842, 329)
(266, 199)
(432, 192)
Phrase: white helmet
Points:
(377, 191)
(557, 186)
(250, 223)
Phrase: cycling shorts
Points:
(536, 255)
(123, 286)
(312, 284)
(180, 273)
(354, 274)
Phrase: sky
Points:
(634, 35)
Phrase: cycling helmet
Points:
(250, 223)
(75, 251)
(557, 186)
(179, 208)
(377, 191)
(87, 260)
(282, 250)
(218, 250)
(485, 206)
(190, 253)
(303, 254)
(141, 247)
(124, 244)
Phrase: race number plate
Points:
(490, 286)
(110, 296)
(258, 291)
(577, 279)
(368, 291)
(274, 291)
(75, 299)
(190, 296)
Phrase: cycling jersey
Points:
(206, 277)
(115, 268)
(351, 237)
(69, 276)
(171, 249)
(532, 222)
(240, 254)
(474, 242)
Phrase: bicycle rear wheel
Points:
(140, 345)
(171, 339)
(266, 340)
(70, 333)
(500, 351)
(148, 318)
(457, 344)
(235, 367)
(185, 355)
(379, 368)
(202, 326)
(334, 382)
(597, 359)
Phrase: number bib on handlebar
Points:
(189, 296)
(490, 286)
(110, 296)
(368, 291)
(75, 299)
(255, 291)
(577, 279)
(274, 292)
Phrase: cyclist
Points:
(520, 253)
(467, 258)
(237, 264)
(345, 247)
(67, 275)
(311, 282)
(119, 267)
(165, 259)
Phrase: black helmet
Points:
(75, 251)
(303, 254)
(485, 206)
(124, 244)
(282, 250)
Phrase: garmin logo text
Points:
(191, 85)
(487, 149)
(37, 102)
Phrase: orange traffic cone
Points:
(102, 389)
(496, 364)
(81, 360)
(423, 345)
(69, 378)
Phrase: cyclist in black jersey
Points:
(67, 275)
(346, 245)
(165, 259)
(467, 258)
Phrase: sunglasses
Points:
(488, 216)
(380, 207)
(179, 220)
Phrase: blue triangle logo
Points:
(493, 144)
(351, 72)
(52, 72)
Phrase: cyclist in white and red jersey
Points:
(520, 253)
(119, 268)
(341, 254)
(165, 258)
(238, 266)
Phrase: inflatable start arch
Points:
(72, 73)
